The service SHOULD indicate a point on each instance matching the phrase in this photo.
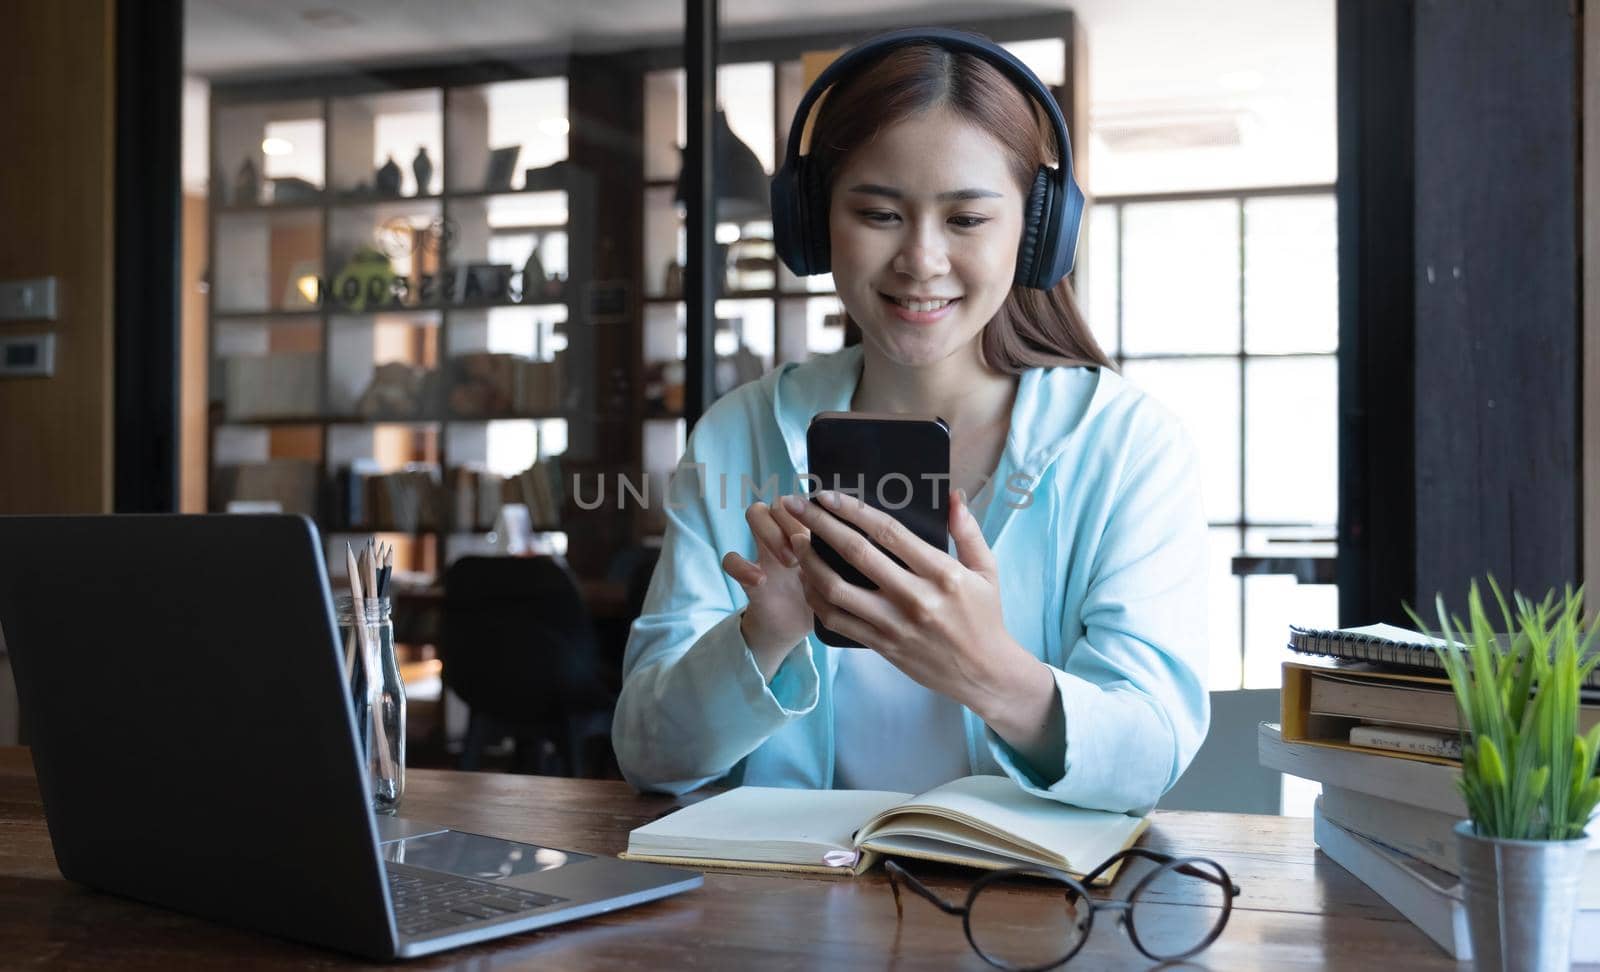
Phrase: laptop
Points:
(182, 686)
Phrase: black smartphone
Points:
(899, 464)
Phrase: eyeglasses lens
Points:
(1016, 926)
(1177, 911)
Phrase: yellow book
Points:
(977, 821)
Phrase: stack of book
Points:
(408, 499)
(467, 498)
(492, 385)
(539, 488)
(290, 485)
(1377, 726)
(476, 496)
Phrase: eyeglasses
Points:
(1013, 927)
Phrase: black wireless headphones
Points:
(1050, 219)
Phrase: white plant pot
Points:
(1521, 898)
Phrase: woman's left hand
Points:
(938, 619)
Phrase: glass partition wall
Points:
(444, 267)
(441, 279)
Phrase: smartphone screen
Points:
(899, 464)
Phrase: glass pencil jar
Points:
(377, 696)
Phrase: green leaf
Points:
(1526, 771)
(1491, 768)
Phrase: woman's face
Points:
(926, 213)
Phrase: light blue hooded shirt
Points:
(1094, 517)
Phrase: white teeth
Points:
(921, 306)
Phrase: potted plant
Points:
(1527, 775)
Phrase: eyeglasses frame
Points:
(1165, 862)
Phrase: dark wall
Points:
(1490, 475)
(1497, 294)
(1377, 501)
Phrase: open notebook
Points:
(979, 821)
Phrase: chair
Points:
(518, 648)
(638, 579)
(1226, 773)
(631, 568)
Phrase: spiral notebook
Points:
(1382, 643)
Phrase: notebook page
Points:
(769, 824)
(1389, 632)
(996, 805)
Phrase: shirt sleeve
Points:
(1132, 689)
(693, 701)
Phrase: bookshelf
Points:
(350, 315)
(388, 301)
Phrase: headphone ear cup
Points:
(814, 212)
(788, 236)
(1036, 230)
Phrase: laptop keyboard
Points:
(426, 902)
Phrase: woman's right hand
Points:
(778, 617)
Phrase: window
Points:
(1224, 307)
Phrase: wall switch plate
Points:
(28, 356)
(28, 300)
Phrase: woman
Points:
(1063, 642)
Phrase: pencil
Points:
(357, 614)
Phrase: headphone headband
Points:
(950, 40)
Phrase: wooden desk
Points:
(1298, 909)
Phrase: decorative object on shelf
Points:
(672, 281)
(387, 179)
(247, 186)
(544, 178)
(555, 286)
(367, 280)
(397, 237)
(398, 389)
(302, 289)
(1527, 775)
(742, 185)
(293, 189)
(422, 168)
(502, 163)
(533, 277)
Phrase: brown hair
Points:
(1033, 328)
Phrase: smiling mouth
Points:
(921, 306)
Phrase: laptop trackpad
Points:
(476, 856)
(395, 828)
